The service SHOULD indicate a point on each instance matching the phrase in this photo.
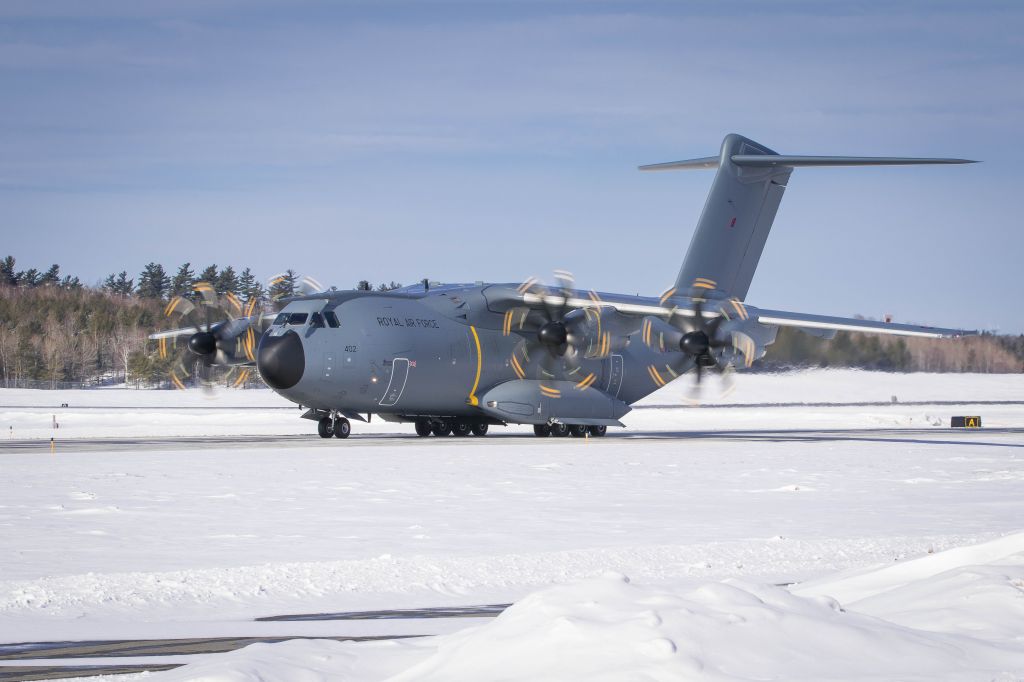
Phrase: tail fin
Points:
(741, 207)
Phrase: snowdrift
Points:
(952, 615)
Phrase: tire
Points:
(480, 428)
(541, 430)
(342, 428)
(598, 431)
(461, 427)
(325, 427)
(442, 427)
(423, 428)
(560, 430)
(578, 430)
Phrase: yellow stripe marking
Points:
(740, 308)
(667, 295)
(653, 371)
(550, 392)
(525, 286)
(705, 279)
(506, 328)
(177, 382)
(473, 400)
(515, 366)
(703, 285)
(585, 382)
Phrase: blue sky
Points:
(493, 141)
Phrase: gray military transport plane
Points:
(458, 358)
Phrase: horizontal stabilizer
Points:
(780, 160)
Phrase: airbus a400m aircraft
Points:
(456, 359)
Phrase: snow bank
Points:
(608, 628)
(977, 589)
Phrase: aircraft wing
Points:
(637, 307)
(779, 318)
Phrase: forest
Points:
(57, 332)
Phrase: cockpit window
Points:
(297, 319)
(332, 319)
(281, 318)
(316, 321)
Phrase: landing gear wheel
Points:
(578, 430)
(423, 428)
(442, 427)
(541, 430)
(342, 428)
(325, 427)
(461, 427)
(598, 431)
(560, 430)
(480, 428)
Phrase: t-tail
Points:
(741, 207)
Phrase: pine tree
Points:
(250, 288)
(283, 285)
(227, 281)
(70, 283)
(181, 283)
(153, 282)
(51, 277)
(8, 275)
(364, 285)
(389, 286)
(208, 275)
(28, 278)
(119, 284)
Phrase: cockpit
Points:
(315, 320)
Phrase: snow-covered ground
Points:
(176, 541)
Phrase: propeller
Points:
(711, 340)
(220, 334)
(561, 332)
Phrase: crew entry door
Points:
(399, 375)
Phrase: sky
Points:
(466, 141)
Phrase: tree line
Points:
(54, 329)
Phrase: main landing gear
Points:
(562, 430)
(450, 426)
(339, 428)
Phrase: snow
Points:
(913, 529)
(608, 628)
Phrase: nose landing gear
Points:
(339, 427)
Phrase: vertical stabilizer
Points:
(741, 207)
(735, 223)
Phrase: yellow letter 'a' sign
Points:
(965, 422)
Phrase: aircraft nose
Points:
(281, 360)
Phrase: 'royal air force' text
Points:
(407, 322)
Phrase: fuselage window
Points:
(316, 321)
(332, 319)
(282, 318)
(297, 319)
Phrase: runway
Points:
(61, 660)
(994, 437)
